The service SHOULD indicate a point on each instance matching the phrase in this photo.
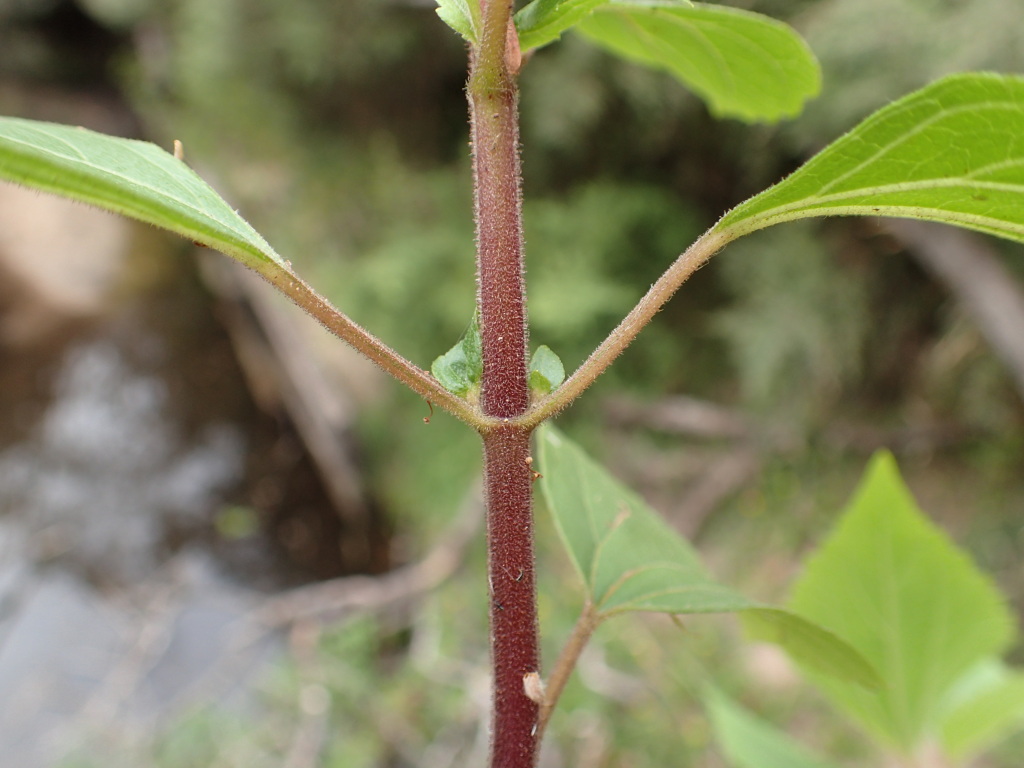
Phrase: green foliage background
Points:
(339, 127)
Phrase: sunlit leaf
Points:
(459, 15)
(894, 586)
(742, 64)
(543, 21)
(985, 705)
(132, 178)
(749, 742)
(951, 152)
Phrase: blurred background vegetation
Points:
(339, 129)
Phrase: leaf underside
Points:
(950, 152)
(132, 178)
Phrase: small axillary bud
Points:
(533, 687)
(513, 55)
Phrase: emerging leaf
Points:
(750, 742)
(950, 152)
(742, 64)
(890, 583)
(132, 178)
(546, 371)
(460, 15)
(460, 369)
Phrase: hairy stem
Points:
(622, 336)
(494, 131)
(337, 322)
(514, 639)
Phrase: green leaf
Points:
(742, 64)
(631, 560)
(461, 368)
(750, 742)
(132, 178)
(986, 705)
(950, 152)
(543, 21)
(459, 15)
(811, 645)
(893, 585)
(546, 370)
(628, 557)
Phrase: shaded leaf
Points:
(950, 152)
(986, 705)
(631, 560)
(543, 21)
(132, 178)
(742, 64)
(811, 645)
(893, 585)
(546, 370)
(750, 742)
(458, 14)
(628, 557)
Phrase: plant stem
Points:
(585, 626)
(494, 130)
(515, 649)
(622, 336)
(337, 322)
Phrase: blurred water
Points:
(107, 469)
(116, 611)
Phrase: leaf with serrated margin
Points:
(458, 14)
(543, 21)
(742, 64)
(133, 178)
(951, 152)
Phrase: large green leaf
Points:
(543, 21)
(133, 178)
(986, 704)
(742, 64)
(628, 557)
(893, 585)
(631, 560)
(750, 742)
(952, 152)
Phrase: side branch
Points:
(337, 322)
(622, 336)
